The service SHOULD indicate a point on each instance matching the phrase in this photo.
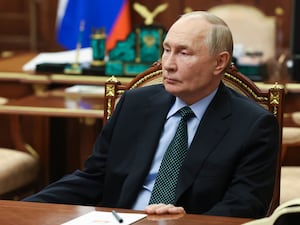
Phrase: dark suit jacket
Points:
(229, 169)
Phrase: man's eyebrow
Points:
(165, 43)
(180, 46)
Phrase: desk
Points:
(62, 135)
(11, 69)
(61, 150)
(52, 117)
(50, 104)
(27, 213)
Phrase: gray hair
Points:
(219, 37)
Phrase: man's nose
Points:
(169, 62)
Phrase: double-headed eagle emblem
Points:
(146, 14)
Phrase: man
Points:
(229, 167)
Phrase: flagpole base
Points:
(74, 68)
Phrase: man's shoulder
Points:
(246, 103)
(147, 90)
(146, 93)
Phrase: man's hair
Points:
(219, 37)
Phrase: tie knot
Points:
(186, 113)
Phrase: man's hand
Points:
(164, 209)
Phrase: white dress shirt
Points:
(168, 133)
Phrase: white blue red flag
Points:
(112, 15)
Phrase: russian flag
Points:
(113, 16)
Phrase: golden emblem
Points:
(146, 14)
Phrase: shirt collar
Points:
(198, 107)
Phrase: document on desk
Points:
(85, 56)
(86, 89)
(107, 218)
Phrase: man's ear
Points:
(222, 61)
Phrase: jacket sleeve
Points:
(82, 187)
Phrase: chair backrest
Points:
(272, 99)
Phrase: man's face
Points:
(188, 67)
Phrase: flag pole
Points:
(75, 68)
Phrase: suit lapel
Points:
(155, 111)
(211, 130)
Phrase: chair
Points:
(290, 183)
(290, 138)
(19, 167)
(272, 100)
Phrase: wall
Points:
(19, 29)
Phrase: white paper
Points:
(85, 56)
(86, 89)
(105, 218)
(286, 208)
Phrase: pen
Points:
(116, 215)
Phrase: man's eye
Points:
(184, 53)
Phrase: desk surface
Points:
(11, 69)
(52, 104)
(15, 61)
(44, 103)
(27, 213)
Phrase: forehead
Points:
(187, 31)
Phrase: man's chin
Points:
(171, 88)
